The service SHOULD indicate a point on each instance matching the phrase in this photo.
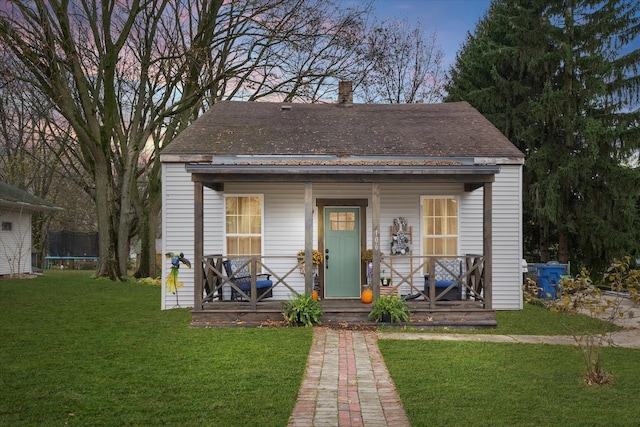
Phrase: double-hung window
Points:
(243, 217)
(440, 226)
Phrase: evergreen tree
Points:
(560, 80)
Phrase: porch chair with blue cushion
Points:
(239, 274)
(446, 272)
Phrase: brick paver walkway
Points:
(347, 384)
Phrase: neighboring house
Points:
(265, 180)
(16, 208)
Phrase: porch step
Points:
(348, 314)
(421, 318)
(237, 316)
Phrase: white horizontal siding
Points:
(471, 222)
(403, 200)
(284, 228)
(284, 223)
(15, 245)
(507, 238)
(177, 230)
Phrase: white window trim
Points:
(422, 231)
(262, 215)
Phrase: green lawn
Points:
(536, 320)
(80, 351)
(488, 384)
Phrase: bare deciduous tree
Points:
(406, 65)
(126, 76)
(33, 151)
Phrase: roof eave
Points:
(246, 169)
(186, 158)
(499, 160)
(29, 207)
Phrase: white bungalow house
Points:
(435, 188)
(16, 208)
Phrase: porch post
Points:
(308, 238)
(198, 245)
(375, 238)
(487, 234)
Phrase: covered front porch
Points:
(459, 292)
(456, 300)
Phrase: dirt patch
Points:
(18, 276)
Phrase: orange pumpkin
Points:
(366, 296)
(314, 295)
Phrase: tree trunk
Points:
(563, 248)
(126, 217)
(144, 265)
(39, 225)
(123, 241)
(544, 246)
(148, 213)
(148, 226)
(108, 258)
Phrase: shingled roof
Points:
(12, 197)
(448, 130)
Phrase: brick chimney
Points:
(345, 94)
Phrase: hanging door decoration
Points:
(400, 237)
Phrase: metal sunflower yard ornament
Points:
(172, 279)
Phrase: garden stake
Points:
(172, 279)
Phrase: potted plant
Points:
(316, 259)
(384, 279)
(390, 309)
(302, 310)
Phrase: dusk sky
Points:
(449, 19)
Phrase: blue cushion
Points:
(442, 284)
(260, 284)
(242, 277)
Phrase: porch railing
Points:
(407, 273)
(215, 277)
(463, 272)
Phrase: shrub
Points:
(530, 293)
(302, 310)
(581, 295)
(391, 307)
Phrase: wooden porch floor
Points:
(346, 313)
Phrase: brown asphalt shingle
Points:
(263, 128)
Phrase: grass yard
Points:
(488, 384)
(79, 351)
(536, 320)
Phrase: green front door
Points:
(342, 246)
